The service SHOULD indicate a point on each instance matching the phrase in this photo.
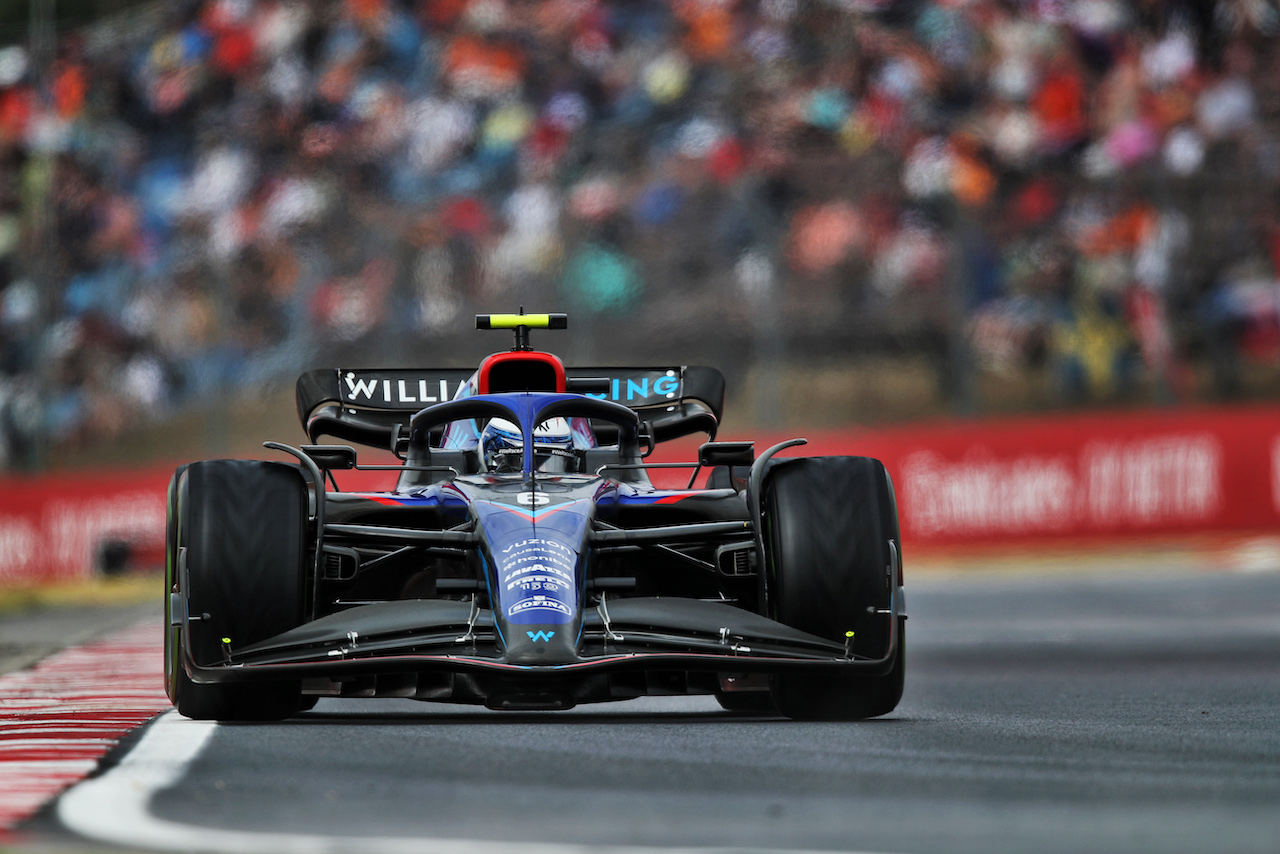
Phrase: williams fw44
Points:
(524, 559)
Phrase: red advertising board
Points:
(1069, 477)
(52, 527)
(1109, 476)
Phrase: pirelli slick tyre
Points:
(173, 639)
(828, 525)
(240, 528)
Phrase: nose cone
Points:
(545, 645)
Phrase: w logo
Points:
(540, 636)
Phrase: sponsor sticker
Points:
(414, 389)
(539, 602)
(399, 389)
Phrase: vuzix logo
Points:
(394, 392)
(540, 636)
(536, 543)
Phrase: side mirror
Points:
(328, 457)
(399, 442)
(727, 454)
(646, 440)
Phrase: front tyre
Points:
(828, 525)
(747, 702)
(243, 526)
(172, 638)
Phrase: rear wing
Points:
(365, 406)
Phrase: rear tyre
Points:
(828, 525)
(243, 524)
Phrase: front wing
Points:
(434, 636)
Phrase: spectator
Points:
(235, 191)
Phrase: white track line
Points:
(113, 809)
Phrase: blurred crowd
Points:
(202, 197)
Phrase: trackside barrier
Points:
(54, 528)
(1069, 477)
(1078, 477)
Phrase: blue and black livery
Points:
(776, 585)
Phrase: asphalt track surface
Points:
(1115, 712)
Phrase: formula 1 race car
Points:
(524, 558)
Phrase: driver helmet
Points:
(502, 446)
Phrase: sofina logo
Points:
(540, 636)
